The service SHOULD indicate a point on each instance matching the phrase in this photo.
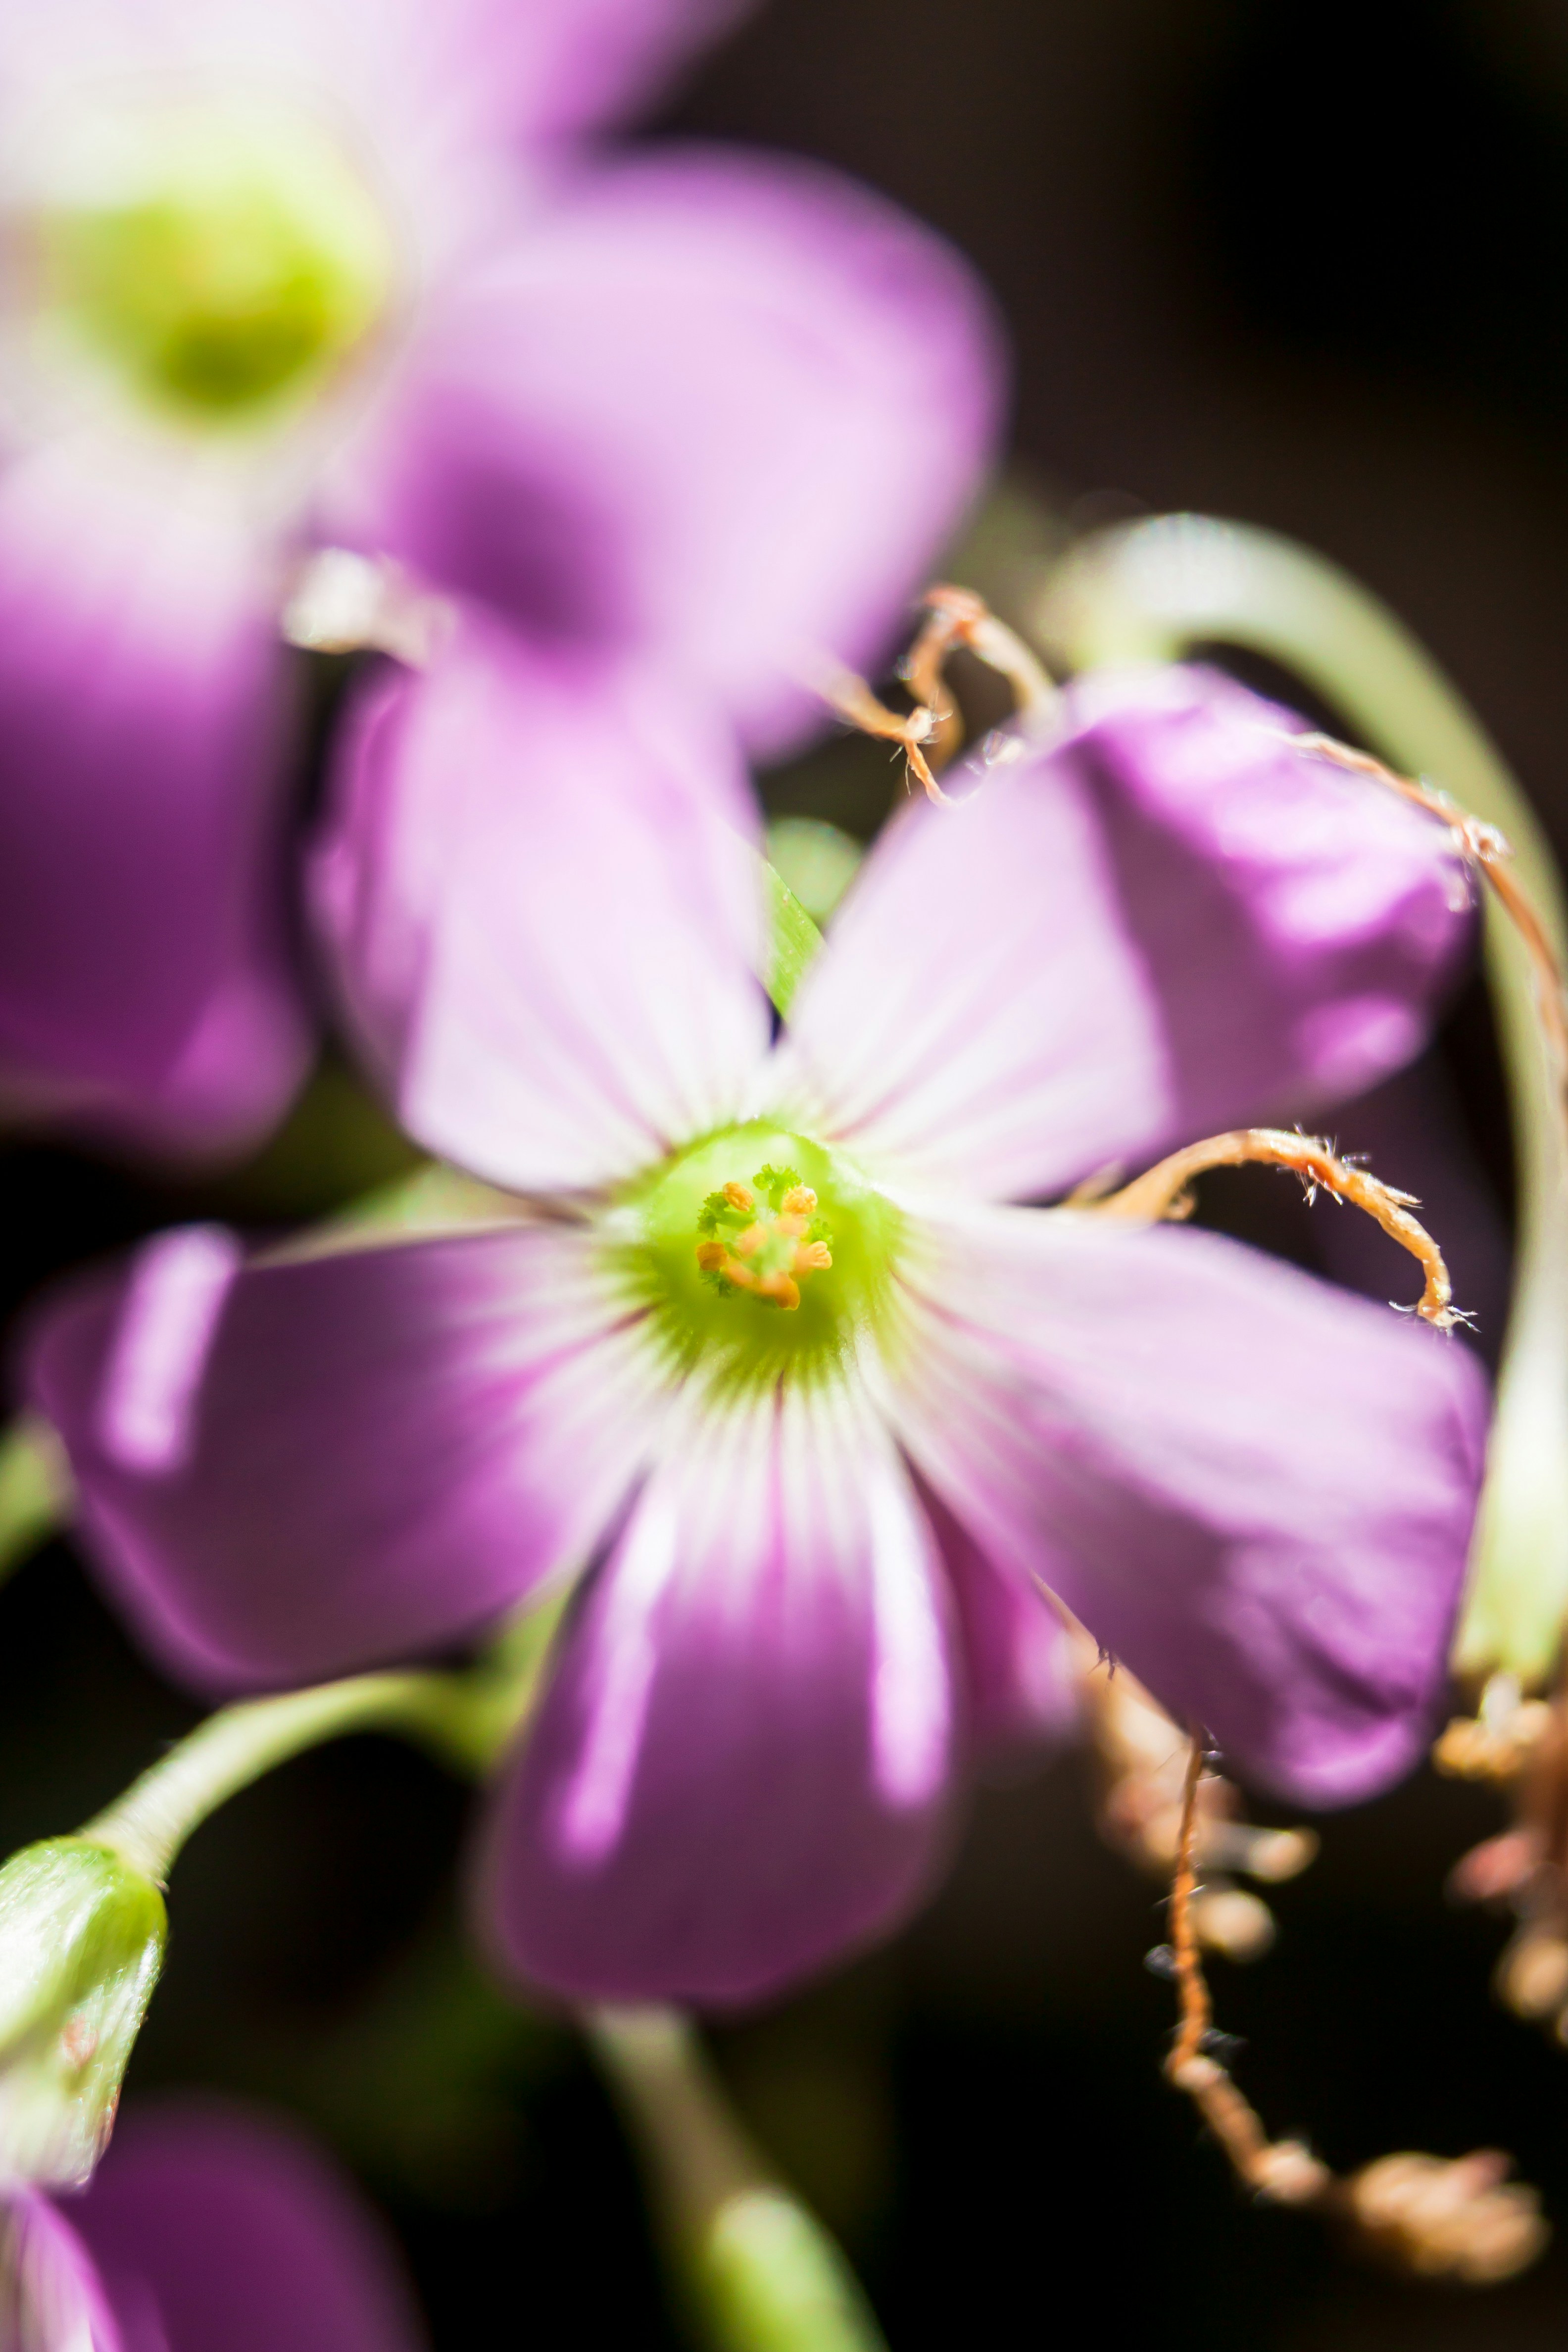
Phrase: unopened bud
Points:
(81, 1942)
(1532, 1974)
(1462, 2220)
(1498, 1867)
(1275, 1856)
(1229, 1920)
(1493, 1746)
(1288, 2173)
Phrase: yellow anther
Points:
(800, 1200)
(740, 1196)
(711, 1256)
(813, 1257)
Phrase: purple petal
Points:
(146, 990)
(719, 409)
(444, 108)
(1162, 922)
(1300, 922)
(311, 1465)
(51, 2297)
(222, 2231)
(1256, 1490)
(577, 63)
(742, 1765)
(543, 916)
(981, 1019)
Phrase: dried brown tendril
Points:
(1460, 2219)
(1142, 1759)
(1488, 853)
(1162, 1192)
(929, 734)
(1514, 1742)
(1521, 1744)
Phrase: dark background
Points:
(1306, 265)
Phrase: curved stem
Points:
(467, 1718)
(1152, 592)
(150, 1823)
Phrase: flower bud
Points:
(81, 1942)
(1230, 1921)
(1532, 1974)
(1461, 2219)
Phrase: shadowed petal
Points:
(1255, 1489)
(305, 1466)
(146, 989)
(218, 2229)
(719, 409)
(543, 916)
(1160, 921)
(742, 1765)
(1300, 922)
(1020, 1674)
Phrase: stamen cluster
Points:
(764, 1237)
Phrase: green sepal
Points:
(794, 940)
(81, 1944)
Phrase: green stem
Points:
(467, 1718)
(149, 1824)
(1152, 592)
(760, 2271)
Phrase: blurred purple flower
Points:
(297, 272)
(207, 2228)
(820, 1523)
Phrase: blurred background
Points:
(1307, 267)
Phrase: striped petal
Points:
(1257, 1490)
(742, 1764)
(287, 1470)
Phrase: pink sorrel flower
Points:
(753, 1330)
(297, 272)
(207, 2228)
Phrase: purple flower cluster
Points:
(687, 411)
(792, 1358)
(820, 1540)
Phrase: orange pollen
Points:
(772, 1255)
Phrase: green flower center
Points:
(760, 1254)
(221, 260)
